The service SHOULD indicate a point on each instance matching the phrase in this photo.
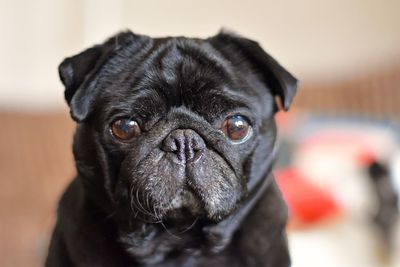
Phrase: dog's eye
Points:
(125, 129)
(237, 128)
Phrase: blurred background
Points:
(339, 160)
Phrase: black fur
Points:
(131, 204)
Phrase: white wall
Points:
(35, 35)
(314, 39)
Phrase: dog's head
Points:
(174, 127)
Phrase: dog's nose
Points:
(185, 143)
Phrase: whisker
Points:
(170, 233)
(189, 227)
(136, 207)
(142, 209)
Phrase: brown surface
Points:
(35, 166)
(375, 94)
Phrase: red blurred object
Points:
(366, 158)
(307, 202)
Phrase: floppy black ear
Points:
(278, 79)
(78, 74)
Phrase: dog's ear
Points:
(78, 74)
(272, 74)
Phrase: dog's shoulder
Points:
(80, 235)
(261, 240)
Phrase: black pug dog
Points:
(173, 149)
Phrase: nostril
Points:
(194, 154)
(194, 140)
(169, 145)
(198, 144)
(186, 144)
(173, 142)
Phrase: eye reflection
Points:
(125, 129)
(236, 128)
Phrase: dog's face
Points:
(174, 128)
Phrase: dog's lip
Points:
(186, 197)
(182, 220)
(185, 207)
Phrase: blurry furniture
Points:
(374, 94)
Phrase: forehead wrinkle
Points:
(144, 72)
(171, 58)
(179, 62)
(144, 101)
(172, 70)
(250, 100)
(135, 50)
(236, 95)
(121, 61)
(206, 55)
(194, 67)
(224, 103)
(161, 60)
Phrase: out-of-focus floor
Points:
(35, 166)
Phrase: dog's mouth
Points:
(185, 205)
(187, 199)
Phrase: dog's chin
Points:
(187, 207)
(186, 203)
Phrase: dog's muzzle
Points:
(185, 145)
